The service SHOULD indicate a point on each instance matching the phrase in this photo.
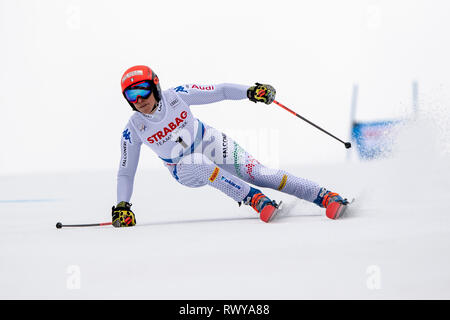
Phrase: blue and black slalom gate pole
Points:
(346, 144)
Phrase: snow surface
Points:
(394, 242)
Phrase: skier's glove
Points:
(261, 93)
(122, 216)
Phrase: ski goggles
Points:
(141, 89)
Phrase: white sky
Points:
(61, 63)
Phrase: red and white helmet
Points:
(141, 73)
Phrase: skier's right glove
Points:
(122, 216)
(261, 93)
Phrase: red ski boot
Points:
(335, 205)
(266, 208)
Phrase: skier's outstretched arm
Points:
(130, 146)
(193, 94)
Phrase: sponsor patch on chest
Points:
(164, 134)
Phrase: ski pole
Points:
(59, 225)
(346, 144)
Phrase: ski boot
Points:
(266, 208)
(334, 204)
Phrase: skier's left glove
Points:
(122, 216)
(261, 93)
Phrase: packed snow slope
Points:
(394, 242)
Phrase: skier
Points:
(197, 154)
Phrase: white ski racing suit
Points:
(197, 154)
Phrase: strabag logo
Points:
(168, 129)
